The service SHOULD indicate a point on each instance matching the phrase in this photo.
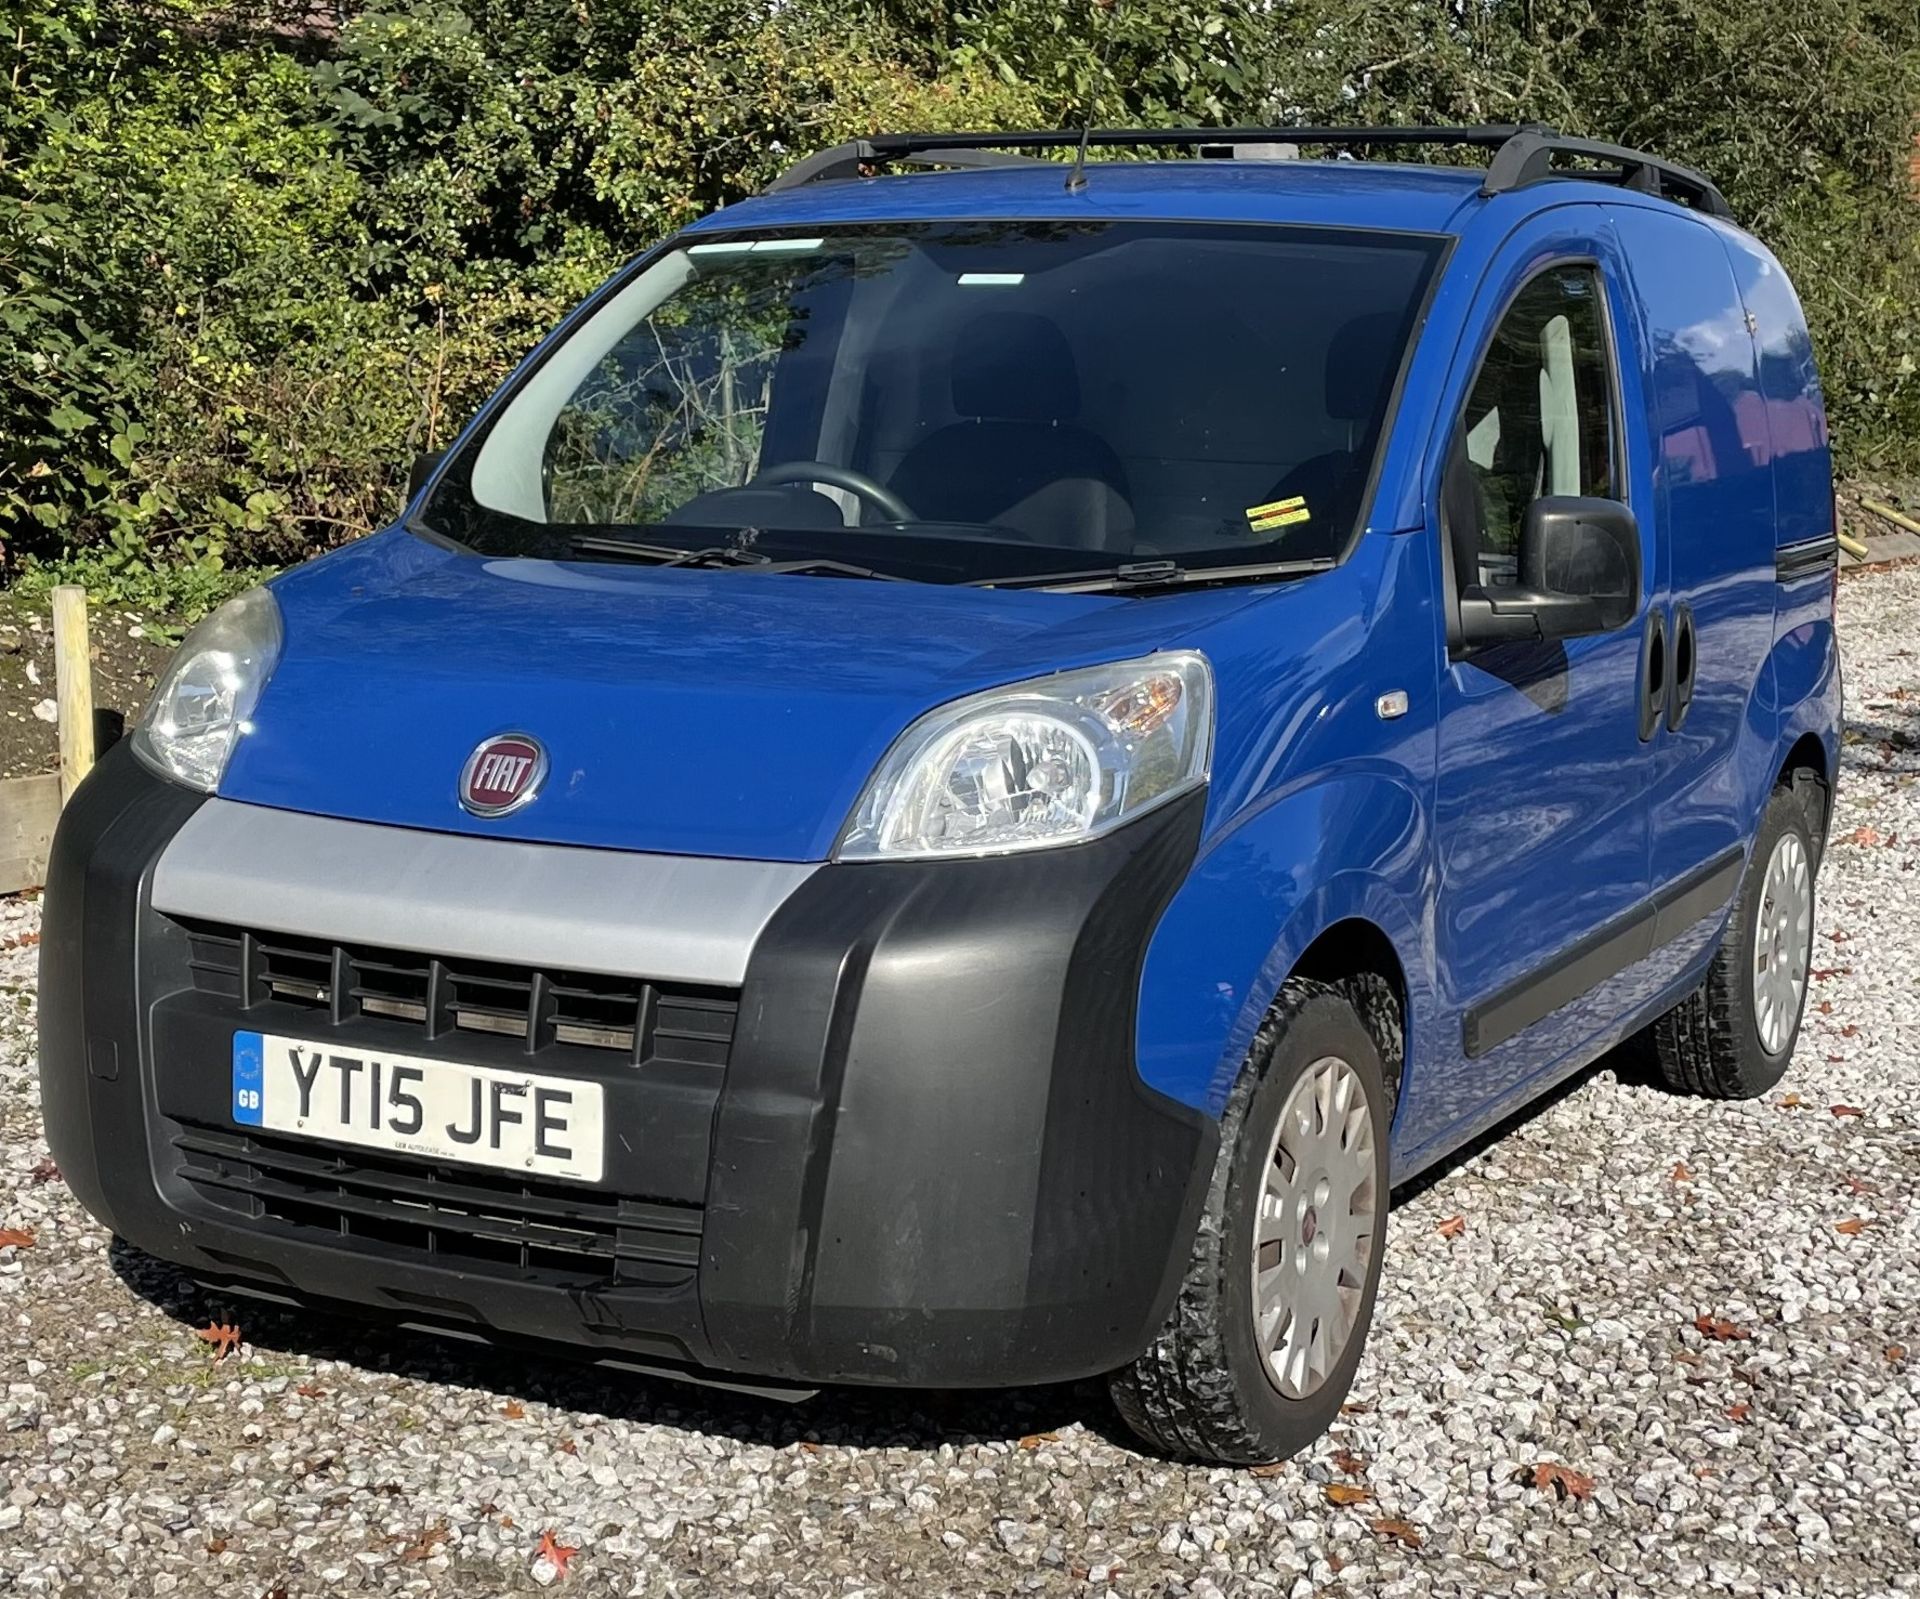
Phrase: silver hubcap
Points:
(1314, 1240)
(1782, 942)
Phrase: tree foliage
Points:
(252, 258)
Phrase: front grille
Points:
(441, 1214)
(644, 1021)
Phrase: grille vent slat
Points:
(440, 996)
(475, 1218)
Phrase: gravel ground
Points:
(1667, 1299)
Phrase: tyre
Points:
(1732, 1037)
(1261, 1344)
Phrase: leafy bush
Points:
(250, 261)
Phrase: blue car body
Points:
(1534, 873)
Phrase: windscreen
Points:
(960, 401)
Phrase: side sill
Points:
(1604, 953)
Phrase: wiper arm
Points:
(722, 555)
(662, 554)
(1140, 576)
(829, 568)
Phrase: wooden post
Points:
(73, 679)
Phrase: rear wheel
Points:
(1732, 1037)
(1270, 1321)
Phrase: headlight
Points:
(1053, 761)
(204, 699)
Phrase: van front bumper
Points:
(925, 1157)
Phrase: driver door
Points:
(1541, 817)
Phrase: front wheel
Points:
(1268, 1327)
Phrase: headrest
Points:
(1013, 365)
(1358, 361)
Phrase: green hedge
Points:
(249, 265)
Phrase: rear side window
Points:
(1538, 421)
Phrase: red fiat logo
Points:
(503, 774)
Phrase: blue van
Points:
(964, 769)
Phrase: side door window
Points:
(1538, 421)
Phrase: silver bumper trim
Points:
(676, 918)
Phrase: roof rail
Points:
(1524, 153)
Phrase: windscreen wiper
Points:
(1136, 577)
(722, 555)
(662, 554)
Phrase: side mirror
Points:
(1579, 574)
(424, 466)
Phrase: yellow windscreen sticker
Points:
(1278, 513)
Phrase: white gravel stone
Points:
(350, 1459)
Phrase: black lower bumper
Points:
(927, 1160)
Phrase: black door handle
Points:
(1686, 667)
(1653, 672)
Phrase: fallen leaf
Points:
(1452, 1227)
(216, 1546)
(1739, 1412)
(1847, 1110)
(1825, 1007)
(809, 1446)
(1850, 1029)
(1790, 1102)
(506, 1523)
(1346, 1493)
(513, 1410)
(1686, 1357)
(1719, 1329)
(1563, 1480)
(1356, 1407)
(1680, 1173)
(44, 1171)
(1273, 1468)
(1896, 1353)
(555, 1553)
(223, 1335)
(1405, 1531)
(423, 1547)
(16, 1238)
(1345, 1460)
(1852, 1227)
(568, 1447)
(1034, 1440)
(309, 1390)
(1860, 1185)
(1826, 974)
(1867, 835)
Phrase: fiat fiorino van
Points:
(965, 768)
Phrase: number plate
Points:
(439, 1109)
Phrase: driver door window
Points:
(1538, 421)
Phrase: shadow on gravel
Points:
(867, 1418)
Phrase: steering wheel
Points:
(878, 495)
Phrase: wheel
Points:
(1261, 1345)
(1732, 1037)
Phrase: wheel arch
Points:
(1327, 882)
(1357, 957)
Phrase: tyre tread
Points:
(1706, 1045)
(1178, 1395)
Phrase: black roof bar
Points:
(1524, 153)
